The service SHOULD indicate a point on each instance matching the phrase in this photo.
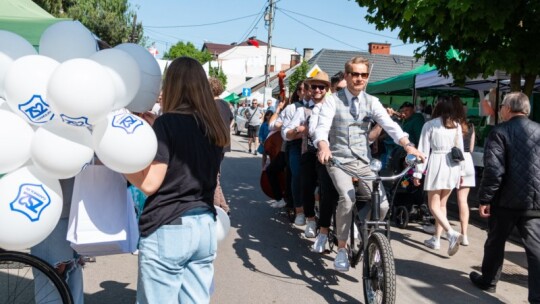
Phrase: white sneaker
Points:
(433, 243)
(320, 243)
(300, 219)
(341, 262)
(278, 204)
(311, 228)
(454, 239)
(465, 241)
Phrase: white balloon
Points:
(124, 72)
(15, 140)
(26, 85)
(12, 46)
(124, 142)
(61, 150)
(67, 40)
(81, 92)
(223, 224)
(150, 77)
(30, 207)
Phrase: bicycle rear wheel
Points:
(379, 271)
(28, 279)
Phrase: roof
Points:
(25, 18)
(218, 48)
(384, 66)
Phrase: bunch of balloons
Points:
(58, 107)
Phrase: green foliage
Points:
(298, 75)
(489, 35)
(217, 72)
(187, 49)
(110, 20)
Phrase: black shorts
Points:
(253, 131)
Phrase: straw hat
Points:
(320, 77)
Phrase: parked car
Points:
(240, 122)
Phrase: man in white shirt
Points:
(344, 120)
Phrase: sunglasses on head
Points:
(356, 74)
(318, 86)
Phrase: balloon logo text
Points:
(126, 122)
(75, 121)
(31, 200)
(36, 110)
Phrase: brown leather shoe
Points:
(478, 281)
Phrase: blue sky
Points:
(299, 24)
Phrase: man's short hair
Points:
(406, 105)
(517, 102)
(339, 76)
(356, 60)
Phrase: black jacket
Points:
(511, 178)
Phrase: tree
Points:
(110, 20)
(298, 75)
(489, 35)
(187, 49)
(217, 72)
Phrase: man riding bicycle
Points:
(344, 121)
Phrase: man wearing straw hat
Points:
(344, 120)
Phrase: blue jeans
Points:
(176, 261)
(294, 152)
(54, 250)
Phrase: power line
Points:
(344, 26)
(204, 24)
(321, 33)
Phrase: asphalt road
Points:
(266, 259)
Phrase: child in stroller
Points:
(408, 201)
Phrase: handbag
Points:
(455, 153)
(102, 219)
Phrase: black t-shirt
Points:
(227, 117)
(190, 181)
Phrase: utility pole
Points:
(270, 18)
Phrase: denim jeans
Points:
(294, 152)
(54, 250)
(176, 261)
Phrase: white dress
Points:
(436, 141)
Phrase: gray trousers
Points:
(347, 197)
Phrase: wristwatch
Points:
(410, 144)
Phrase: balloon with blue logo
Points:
(67, 40)
(150, 86)
(80, 92)
(12, 47)
(61, 150)
(124, 72)
(15, 140)
(124, 142)
(30, 207)
(26, 86)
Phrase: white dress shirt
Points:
(322, 118)
(298, 119)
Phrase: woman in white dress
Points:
(438, 137)
(469, 177)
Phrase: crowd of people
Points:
(326, 117)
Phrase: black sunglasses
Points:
(339, 89)
(321, 87)
(356, 74)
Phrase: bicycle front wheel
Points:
(379, 271)
(25, 278)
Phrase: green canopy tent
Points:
(232, 98)
(25, 18)
(400, 85)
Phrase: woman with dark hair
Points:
(438, 137)
(469, 177)
(177, 225)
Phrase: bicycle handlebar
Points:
(338, 164)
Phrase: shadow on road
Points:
(113, 292)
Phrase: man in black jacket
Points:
(509, 192)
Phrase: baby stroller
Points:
(408, 201)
